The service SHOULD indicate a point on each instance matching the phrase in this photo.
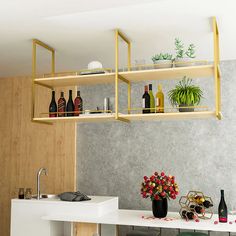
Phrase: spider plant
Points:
(185, 94)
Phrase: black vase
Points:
(160, 208)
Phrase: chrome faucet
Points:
(38, 180)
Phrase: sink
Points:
(48, 196)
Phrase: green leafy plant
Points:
(185, 93)
(190, 51)
(179, 48)
(180, 51)
(162, 56)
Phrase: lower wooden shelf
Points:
(133, 117)
(170, 116)
(82, 118)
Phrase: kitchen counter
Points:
(26, 215)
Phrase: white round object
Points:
(94, 65)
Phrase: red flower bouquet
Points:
(159, 186)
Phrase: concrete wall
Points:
(113, 157)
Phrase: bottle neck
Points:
(146, 89)
(62, 94)
(53, 95)
(222, 194)
(78, 93)
(70, 94)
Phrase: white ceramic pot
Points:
(94, 65)
(161, 64)
(183, 62)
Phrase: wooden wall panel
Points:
(27, 146)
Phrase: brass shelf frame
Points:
(126, 78)
(35, 43)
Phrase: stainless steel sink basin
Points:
(48, 196)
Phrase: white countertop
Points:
(144, 218)
(94, 200)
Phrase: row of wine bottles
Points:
(149, 104)
(61, 108)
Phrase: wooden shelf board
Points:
(170, 116)
(169, 73)
(133, 117)
(74, 80)
(133, 76)
(83, 118)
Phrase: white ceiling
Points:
(82, 31)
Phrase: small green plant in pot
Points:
(184, 57)
(162, 60)
(185, 95)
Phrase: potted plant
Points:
(185, 95)
(162, 60)
(159, 188)
(184, 57)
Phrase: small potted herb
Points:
(184, 57)
(162, 60)
(185, 95)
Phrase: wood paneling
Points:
(27, 146)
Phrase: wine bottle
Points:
(70, 105)
(190, 215)
(53, 106)
(61, 105)
(184, 214)
(222, 209)
(199, 209)
(152, 100)
(159, 100)
(207, 204)
(78, 104)
(146, 100)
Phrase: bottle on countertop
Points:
(188, 215)
(159, 100)
(61, 105)
(222, 209)
(78, 103)
(146, 100)
(70, 105)
(53, 106)
(152, 100)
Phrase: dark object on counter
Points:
(73, 196)
(21, 194)
(222, 209)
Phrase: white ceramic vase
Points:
(161, 64)
(183, 62)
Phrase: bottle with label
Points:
(152, 100)
(53, 106)
(146, 100)
(70, 105)
(159, 100)
(78, 104)
(222, 210)
(61, 105)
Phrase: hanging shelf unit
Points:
(56, 80)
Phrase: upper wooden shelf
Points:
(74, 80)
(133, 76)
(202, 71)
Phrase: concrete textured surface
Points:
(113, 157)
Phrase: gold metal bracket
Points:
(217, 73)
(118, 76)
(36, 42)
